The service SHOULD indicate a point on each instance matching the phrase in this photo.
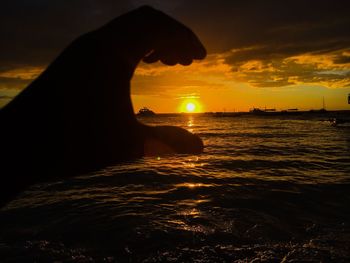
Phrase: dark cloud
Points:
(34, 32)
(272, 52)
(281, 71)
(251, 23)
(270, 31)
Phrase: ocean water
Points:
(266, 189)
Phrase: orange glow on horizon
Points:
(294, 82)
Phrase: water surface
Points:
(265, 189)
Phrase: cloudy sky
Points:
(275, 54)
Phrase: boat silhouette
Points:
(145, 112)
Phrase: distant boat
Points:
(256, 110)
(273, 112)
(145, 112)
(260, 111)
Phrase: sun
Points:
(190, 107)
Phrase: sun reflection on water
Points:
(193, 185)
(190, 124)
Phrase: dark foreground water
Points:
(267, 189)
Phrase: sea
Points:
(272, 188)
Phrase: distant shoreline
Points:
(262, 113)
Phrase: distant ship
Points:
(257, 110)
(263, 112)
(145, 112)
(273, 112)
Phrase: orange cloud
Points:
(26, 73)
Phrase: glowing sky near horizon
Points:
(273, 54)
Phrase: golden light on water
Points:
(193, 185)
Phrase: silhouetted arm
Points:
(77, 116)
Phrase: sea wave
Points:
(263, 190)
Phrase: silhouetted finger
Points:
(169, 61)
(185, 61)
(201, 52)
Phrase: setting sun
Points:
(190, 107)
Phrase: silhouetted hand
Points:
(152, 35)
(174, 43)
(78, 115)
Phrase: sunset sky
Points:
(274, 54)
